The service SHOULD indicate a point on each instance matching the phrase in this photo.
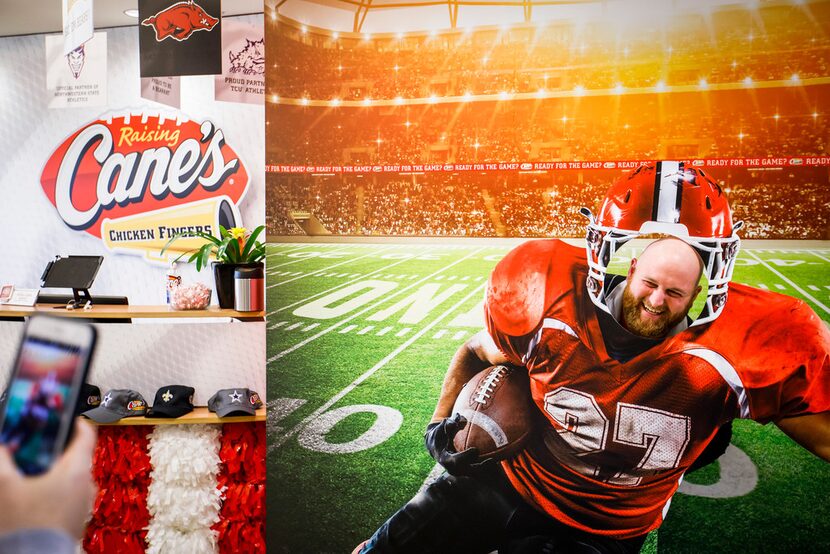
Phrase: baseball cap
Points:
(88, 398)
(234, 402)
(117, 404)
(172, 401)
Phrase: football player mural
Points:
(628, 391)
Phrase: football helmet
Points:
(671, 199)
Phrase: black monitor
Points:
(72, 272)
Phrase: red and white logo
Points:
(135, 180)
(181, 20)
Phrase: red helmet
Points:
(671, 199)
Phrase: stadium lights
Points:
(477, 145)
(398, 101)
(303, 29)
(750, 37)
(703, 83)
(335, 102)
(399, 36)
(275, 98)
(625, 51)
(304, 101)
(367, 101)
(408, 123)
(504, 95)
(741, 135)
(564, 119)
(776, 117)
(541, 93)
(367, 36)
(397, 67)
(579, 90)
(669, 50)
(433, 33)
(795, 78)
(660, 86)
(815, 115)
(340, 67)
(433, 99)
(467, 96)
(335, 35)
(619, 89)
(747, 81)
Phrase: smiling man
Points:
(630, 393)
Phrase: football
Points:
(499, 412)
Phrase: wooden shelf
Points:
(122, 312)
(199, 415)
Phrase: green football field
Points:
(359, 336)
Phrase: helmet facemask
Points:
(718, 252)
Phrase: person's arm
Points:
(60, 499)
(479, 352)
(812, 431)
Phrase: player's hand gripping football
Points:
(438, 440)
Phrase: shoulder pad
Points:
(523, 284)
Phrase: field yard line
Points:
(287, 251)
(300, 344)
(350, 260)
(388, 358)
(819, 256)
(304, 259)
(793, 285)
(341, 285)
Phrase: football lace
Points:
(489, 384)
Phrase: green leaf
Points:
(251, 244)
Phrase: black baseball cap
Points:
(118, 404)
(172, 401)
(234, 402)
(88, 398)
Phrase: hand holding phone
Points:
(37, 417)
(61, 498)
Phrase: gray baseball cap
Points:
(228, 402)
(118, 404)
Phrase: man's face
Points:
(661, 288)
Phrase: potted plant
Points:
(235, 247)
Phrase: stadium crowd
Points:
(790, 203)
(775, 41)
(764, 123)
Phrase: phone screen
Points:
(38, 397)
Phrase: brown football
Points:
(499, 412)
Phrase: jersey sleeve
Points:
(786, 366)
(517, 296)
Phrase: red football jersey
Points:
(617, 437)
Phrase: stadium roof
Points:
(391, 16)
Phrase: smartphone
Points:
(38, 414)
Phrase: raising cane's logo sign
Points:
(136, 180)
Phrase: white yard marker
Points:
(310, 327)
(403, 331)
(293, 326)
(459, 335)
(365, 329)
(276, 325)
(440, 334)
(335, 287)
(789, 282)
(763, 286)
(327, 269)
(813, 287)
(819, 256)
(280, 440)
(384, 331)
(368, 308)
(779, 286)
(347, 328)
